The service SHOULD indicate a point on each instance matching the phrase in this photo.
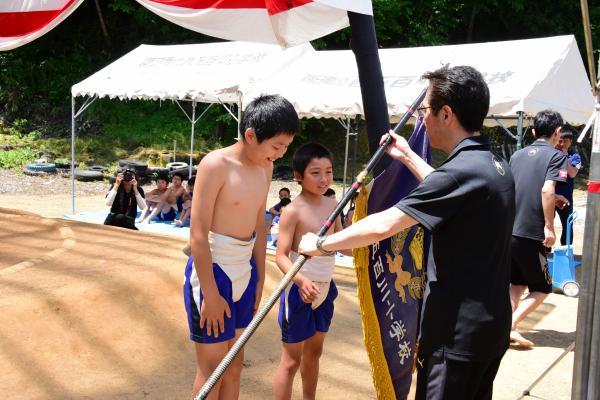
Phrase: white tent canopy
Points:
(523, 75)
(208, 73)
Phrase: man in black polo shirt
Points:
(536, 169)
(468, 204)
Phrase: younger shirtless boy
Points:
(163, 199)
(224, 276)
(306, 306)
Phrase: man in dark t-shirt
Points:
(536, 168)
(468, 205)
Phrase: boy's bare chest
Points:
(312, 220)
(244, 189)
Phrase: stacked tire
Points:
(39, 169)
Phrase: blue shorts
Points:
(168, 216)
(242, 310)
(301, 321)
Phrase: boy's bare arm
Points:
(209, 180)
(288, 224)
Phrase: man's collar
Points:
(470, 143)
(540, 142)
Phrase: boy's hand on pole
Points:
(211, 315)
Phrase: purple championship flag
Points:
(391, 279)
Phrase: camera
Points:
(128, 175)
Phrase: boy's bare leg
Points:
(143, 214)
(309, 368)
(291, 358)
(208, 356)
(153, 214)
(230, 382)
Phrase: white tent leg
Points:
(239, 119)
(73, 154)
(346, 156)
(192, 139)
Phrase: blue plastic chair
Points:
(562, 264)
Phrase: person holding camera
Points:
(124, 198)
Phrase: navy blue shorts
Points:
(242, 310)
(168, 216)
(301, 322)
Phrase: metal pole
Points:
(346, 155)
(174, 150)
(73, 154)
(520, 130)
(239, 120)
(586, 368)
(287, 278)
(192, 139)
(355, 150)
(587, 32)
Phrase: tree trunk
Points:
(102, 24)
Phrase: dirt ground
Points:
(89, 311)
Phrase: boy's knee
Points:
(291, 363)
(313, 354)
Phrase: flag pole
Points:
(287, 278)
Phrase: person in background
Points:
(187, 203)
(124, 198)
(565, 190)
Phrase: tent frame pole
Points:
(192, 139)
(346, 155)
(88, 102)
(520, 130)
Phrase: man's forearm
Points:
(548, 205)
(369, 230)
(417, 165)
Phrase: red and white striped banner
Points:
(22, 21)
(283, 22)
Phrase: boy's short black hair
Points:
(284, 189)
(191, 181)
(284, 202)
(463, 89)
(268, 116)
(546, 122)
(179, 174)
(329, 192)
(566, 133)
(163, 178)
(308, 152)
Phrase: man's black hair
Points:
(285, 189)
(464, 90)
(179, 174)
(308, 152)
(329, 192)
(284, 202)
(268, 116)
(546, 122)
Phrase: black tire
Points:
(185, 171)
(140, 168)
(98, 168)
(82, 175)
(41, 167)
(65, 165)
(34, 173)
